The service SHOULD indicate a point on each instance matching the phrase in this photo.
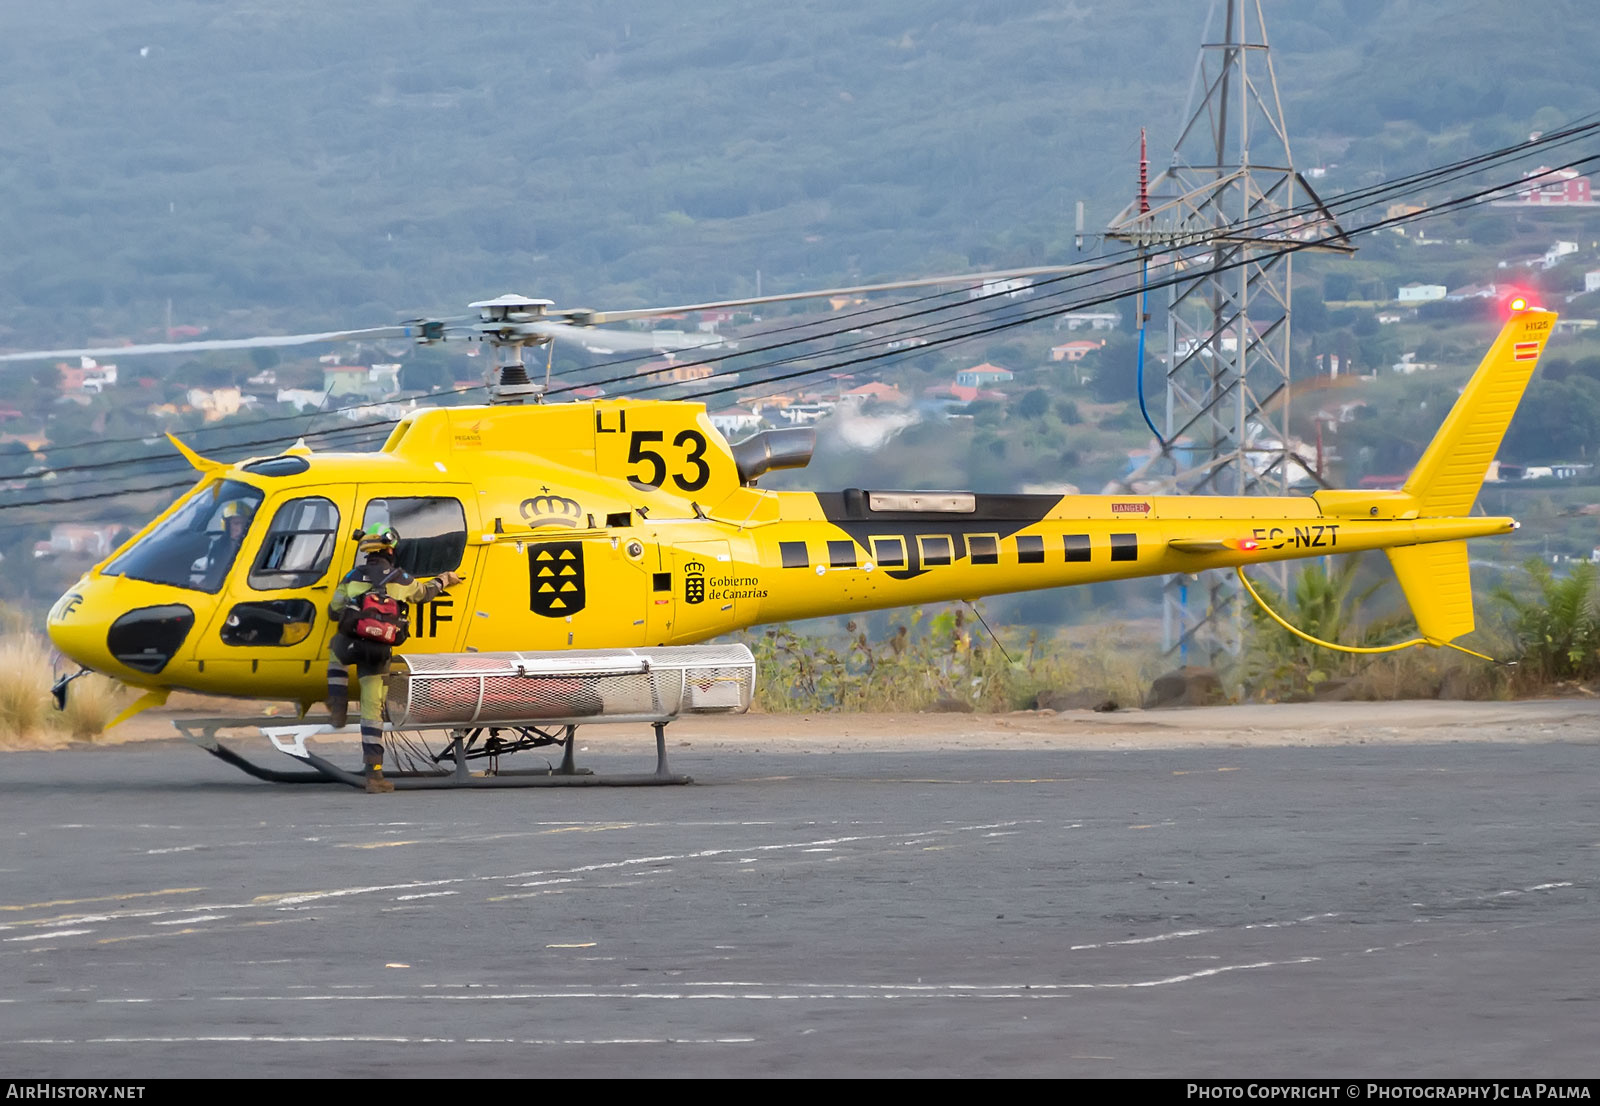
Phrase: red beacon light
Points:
(1516, 302)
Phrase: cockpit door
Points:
(272, 627)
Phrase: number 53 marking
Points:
(692, 442)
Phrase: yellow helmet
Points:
(236, 508)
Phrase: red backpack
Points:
(374, 616)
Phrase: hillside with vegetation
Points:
(299, 164)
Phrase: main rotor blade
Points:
(617, 341)
(592, 317)
(217, 343)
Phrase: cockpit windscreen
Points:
(195, 547)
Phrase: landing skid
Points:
(488, 706)
(418, 768)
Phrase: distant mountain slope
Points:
(296, 163)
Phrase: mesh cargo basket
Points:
(448, 690)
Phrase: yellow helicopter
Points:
(602, 529)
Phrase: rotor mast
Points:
(505, 322)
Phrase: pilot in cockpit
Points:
(224, 544)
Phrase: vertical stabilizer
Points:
(1446, 481)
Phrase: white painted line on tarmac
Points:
(1290, 922)
(53, 933)
(1144, 940)
(190, 920)
(300, 900)
(322, 1040)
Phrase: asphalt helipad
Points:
(1381, 909)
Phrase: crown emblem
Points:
(555, 510)
(695, 568)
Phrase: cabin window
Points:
(889, 552)
(1077, 547)
(984, 549)
(1124, 547)
(841, 554)
(432, 529)
(1030, 549)
(269, 622)
(936, 549)
(196, 545)
(299, 547)
(794, 554)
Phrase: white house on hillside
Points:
(1553, 256)
(1094, 320)
(983, 376)
(1421, 293)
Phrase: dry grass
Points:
(14, 621)
(1430, 674)
(942, 660)
(28, 718)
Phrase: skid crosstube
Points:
(453, 761)
(291, 740)
(203, 732)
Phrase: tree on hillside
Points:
(1113, 368)
(1034, 404)
(1556, 421)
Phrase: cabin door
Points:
(433, 521)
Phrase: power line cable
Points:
(1370, 197)
(1372, 194)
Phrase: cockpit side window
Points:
(196, 546)
(432, 529)
(299, 547)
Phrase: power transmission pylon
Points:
(1230, 210)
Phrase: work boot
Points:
(377, 785)
(338, 713)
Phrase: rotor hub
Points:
(511, 308)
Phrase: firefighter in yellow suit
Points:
(371, 658)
